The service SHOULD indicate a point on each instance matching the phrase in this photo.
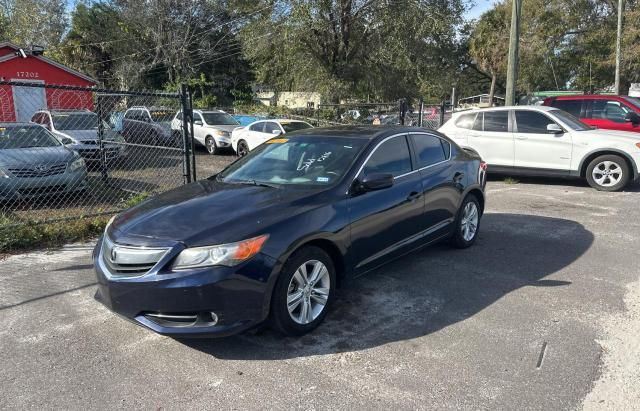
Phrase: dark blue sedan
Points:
(274, 234)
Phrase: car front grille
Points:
(41, 170)
(128, 261)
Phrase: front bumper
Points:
(236, 296)
(222, 142)
(92, 152)
(22, 188)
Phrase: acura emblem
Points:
(41, 167)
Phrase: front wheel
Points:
(467, 223)
(303, 292)
(210, 145)
(608, 173)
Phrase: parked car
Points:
(34, 163)
(78, 130)
(601, 111)
(540, 140)
(211, 128)
(293, 219)
(150, 125)
(245, 139)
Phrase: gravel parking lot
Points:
(543, 313)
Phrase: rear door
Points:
(535, 147)
(492, 139)
(199, 130)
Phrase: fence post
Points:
(443, 107)
(192, 140)
(103, 155)
(421, 114)
(186, 120)
(318, 115)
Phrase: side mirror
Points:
(276, 132)
(632, 117)
(553, 128)
(197, 122)
(376, 181)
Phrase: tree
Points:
(488, 46)
(41, 22)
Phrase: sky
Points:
(480, 7)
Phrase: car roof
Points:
(14, 124)
(587, 97)
(151, 108)
(64, 111)
(364, 132)
(504, 108)
(198, 110)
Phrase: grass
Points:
(19, 234)
(510, 180)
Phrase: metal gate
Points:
(90, 152)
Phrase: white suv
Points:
(544, 141)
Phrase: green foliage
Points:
(135, 200)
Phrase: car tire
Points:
(608, 172)
(210, 145)
(467, 224)
(300, 302)
(243, 148)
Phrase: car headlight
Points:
(224, 254)
(3, 174)
(221, 133)
(76, 164)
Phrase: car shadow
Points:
(427, 290)
(633, 186)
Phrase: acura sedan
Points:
(274, 234)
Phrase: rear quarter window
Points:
(573, 107)
(466, 121)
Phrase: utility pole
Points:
(619, 45)
(512, 64)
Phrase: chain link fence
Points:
(72, 152)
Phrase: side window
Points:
(477, 124)
(391, 157)
(179, 116)
(573, 107)
(430, 149)
(609, 110)
(496, 121)
(270, 127)
(257, 127)
(532, 122)
(37, 118)
(466, 121)
(197, 117)
(133, 114)
(129, 114)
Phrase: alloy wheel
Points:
(243, 149)
(469, 223)
(308, 292)
(210, 145)
(607, 173)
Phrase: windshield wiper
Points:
(258, 183)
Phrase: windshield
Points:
(75, 121)
(159, 116)
(635, 101)
(303, 160)
(12, 137)
(219, 119)
(573, 122)
(293, 126)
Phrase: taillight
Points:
(483, 165)
(638, 145)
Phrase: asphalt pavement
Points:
(518, 321)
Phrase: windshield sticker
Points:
(322, 179)
(347, 146)
(277, 141)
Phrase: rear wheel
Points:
(210, 144)
(243, 148)
(303, 292)
(467, 223)
(608, 173)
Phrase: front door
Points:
(535, 147)
(610, 115)
(28, 100)
(384, 222)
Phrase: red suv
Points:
(602, 111)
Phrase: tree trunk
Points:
(492, 89)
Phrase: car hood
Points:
(227, 128)
(206, 212)
(88, 135)
(26, 157)
(629, 136)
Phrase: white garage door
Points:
(28, 100)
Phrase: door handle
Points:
(522, 138)
(413, 196)
(458, 176)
